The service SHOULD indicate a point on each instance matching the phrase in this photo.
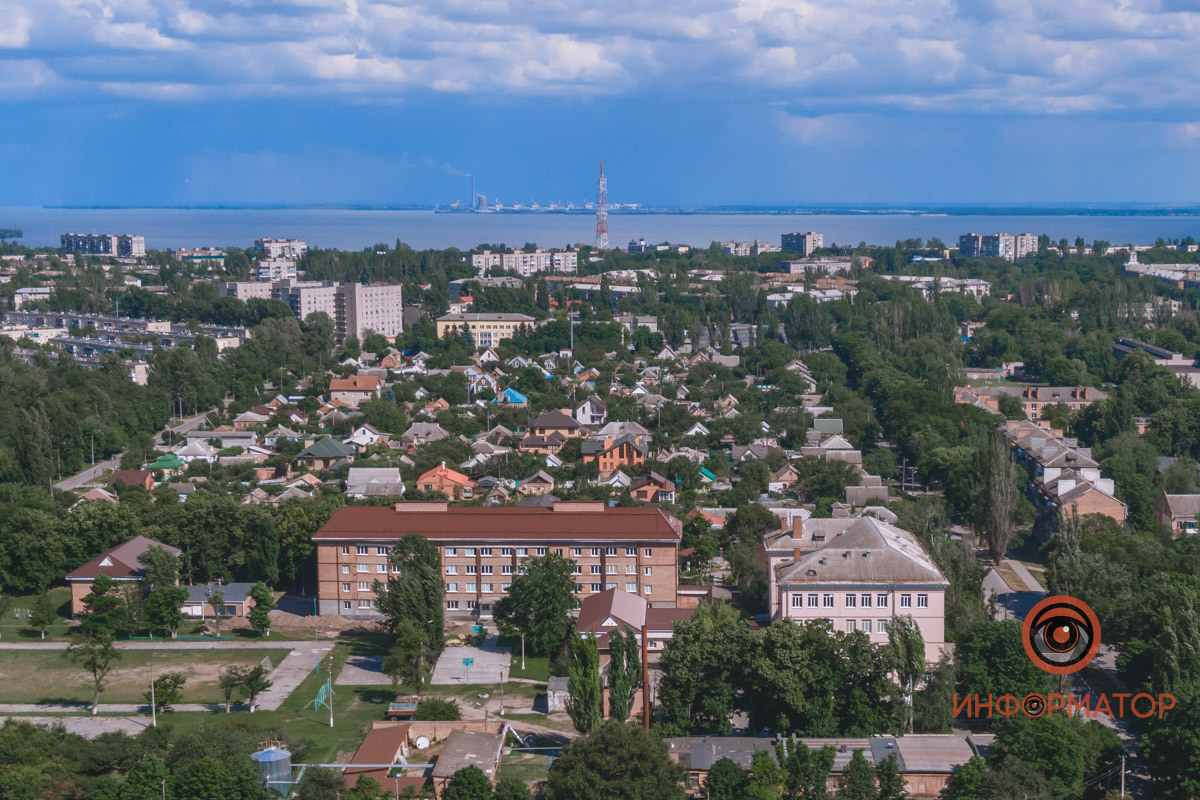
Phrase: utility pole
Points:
(645, 683)
(1122, 776)
(153, 706)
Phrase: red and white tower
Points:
(602, 210)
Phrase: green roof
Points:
(169, 461)
(328, 447)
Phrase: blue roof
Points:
(510, 395)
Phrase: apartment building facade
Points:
(482, 550)
(276, 268)
(104, 244)
(803, 243)
(377, 307)
(486, 329)
(280, 248)
(526, 262)
(245, 290)
(748, 248)
(998, 245)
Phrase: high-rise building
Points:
(104, 244)
(245, 290)
(997, 245)
(276, 268)
(280, 248)
(748, 248)
(376, 308)
(803, 243)
(526, 263)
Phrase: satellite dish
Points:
(422, 743)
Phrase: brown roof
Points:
(130, 477)
(562, 522)
(555, 419)
(382, 745)
(120, 562)
(355, 383)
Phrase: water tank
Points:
(275, 768)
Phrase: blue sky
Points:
(709, 102)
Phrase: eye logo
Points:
(1061, 634)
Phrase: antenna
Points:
(602, 210)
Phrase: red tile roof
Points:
(469, 523)
(355, 383)
(120, 562)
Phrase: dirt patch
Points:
(327, 625)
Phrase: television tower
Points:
(602, 210)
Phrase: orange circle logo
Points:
(1061, 634)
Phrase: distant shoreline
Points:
(1064, 210)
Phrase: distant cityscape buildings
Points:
(803, 243)
(354, 308)
(209, 257)
(525, 262)
(748, 248)
(280, 248)
(104, 244)
(998, 245)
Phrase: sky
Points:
(710, 102)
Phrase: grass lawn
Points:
(526, 766)
(12, 629)
(536, 668)
(35, 676)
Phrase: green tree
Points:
(585, 705)
(511, 788)
(43, 614)
(726, 780)
(539, 603)
(616, 761)
(808, 772)
(1050, 745)
(858, 779)
(999, 497)
(966, 782)
(408, 661)
(168, 690)
(624, 672)
(468, 783)
(217, 600)
(206, 778)
(367, 788)
(104, 612)
(435, 709)
(255, 683)
(766, 777)
(164, 608)
(992, 660)
(907, 648)
(701, 664)
(160, 567)
(146, 780)
(321, 783)
(416, 594)
(94, 653)
(230, 680)
(6, 602)
(264, 604)
(890, 781)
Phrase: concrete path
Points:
(91, 727)
(491, 664)
(1030, 581)
(168, 644)
(363, 671)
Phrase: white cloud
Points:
(824, 129)
(820, 58)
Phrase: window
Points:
(647, 589)
(558, 550)
(346, 604)
(451, 551)
(595, 551)
(451, 588)
(363, 586)
(506, 551)
(851, 600)
(797, 600)
(596, 569)
(882, 625)
(472, 604)
(865, 600)
(906, 601)
(486, 569)
(504, 587)
(631, 588)
(610, 551)
(345, 569)
(451, 605)
(522, 551)
(364, 567)
(597, 587)
(366, 602)
(849, 626)
(922, 601)
(631, 552)
(485, 551)
(610, 585)
(362, 549)
(471, 588)
(345, 550)
(647, 552)
(470, 569)
(381, 569)
(345, 587)
(576, 551)
(611, 569)
(486, 588)
(648, 571)
(881, 600)
(541, 551)
(381, 551)
(506, 569)
(866, 626)
(452, 569)
(576, 569)
(469, 552)
(812, 601)
(827, 601)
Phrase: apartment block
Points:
(375, 307)
(803, 243)
(104, 244)
(307, 297)
(748, 248)
(208, 257)
(30, 294)
(486, 328)
(858, 573)
(244, 290)
(482, 549)
(276, 268)
(998, 245)
(526, 262)
(280, 248)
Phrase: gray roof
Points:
(469, 749)
(360, 475)
(870, 551)
(1186, 506)
(234, 592)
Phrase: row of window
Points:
(469, 552)
(859, 600)
(881, 626)
(507, 569)
(488, 588)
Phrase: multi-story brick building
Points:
(482, 549)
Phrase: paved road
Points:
(491, 664)
(94, 473)
(363, 671)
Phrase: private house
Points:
(1177, 513)
(365, 436)
(548, 444)
(512, 398)
(468, 749)
(538, 483)
(323, 454)
(248, 420)
(555, 421)
(858, 573)
(615, 430)
(653, 489)
(197, 450)
(617, 480)
(96, 493)
(236, 601)
(133, 477)
(420, 433)
(697, 429)
(168, 464)
(613, 454)
(783, 479)
(591, 412)
(355, 390)
(278, 435)
(615, 609)
(385, 743)
(442, 480)
(364, 482)
(119, 563)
